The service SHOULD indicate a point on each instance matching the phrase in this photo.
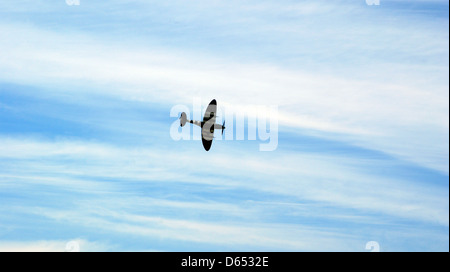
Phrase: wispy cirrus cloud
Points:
(343, 184)
(137, 192)
(390, 116)
(362, 96)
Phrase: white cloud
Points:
(237, 235)
(344, 184)
(97, 190)
(377, 84)
(397, 114)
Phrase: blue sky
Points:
(86, 155)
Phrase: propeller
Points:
(223, 126)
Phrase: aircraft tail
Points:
(183, 119)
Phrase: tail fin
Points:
(183, 119)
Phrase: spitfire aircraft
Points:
(208, 125)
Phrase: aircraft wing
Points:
(208, 124)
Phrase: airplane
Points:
(207, 125)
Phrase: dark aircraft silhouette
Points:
(207, 125)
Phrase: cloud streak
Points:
(343, 184)
(399, 115)
(362, 95)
